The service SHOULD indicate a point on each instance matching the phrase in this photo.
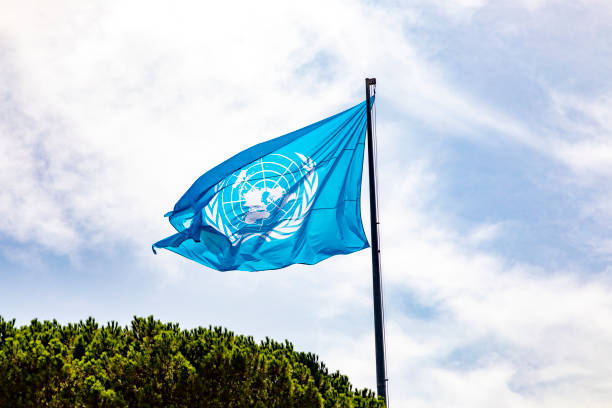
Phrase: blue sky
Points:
(493, 124)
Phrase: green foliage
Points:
(154, 364)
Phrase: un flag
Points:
(293, 199)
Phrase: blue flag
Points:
(293, 199)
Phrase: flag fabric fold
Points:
(293, 199)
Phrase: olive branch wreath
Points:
(284, 229)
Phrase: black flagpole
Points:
(379, 333)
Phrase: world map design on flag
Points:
(268, 199)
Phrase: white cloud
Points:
(127, 106)
(484, 233)
(585, 140)
(526, 335)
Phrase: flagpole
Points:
(379, 333)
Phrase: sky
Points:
(494, 163)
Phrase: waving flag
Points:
(293, 199)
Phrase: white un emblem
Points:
(269, 198)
